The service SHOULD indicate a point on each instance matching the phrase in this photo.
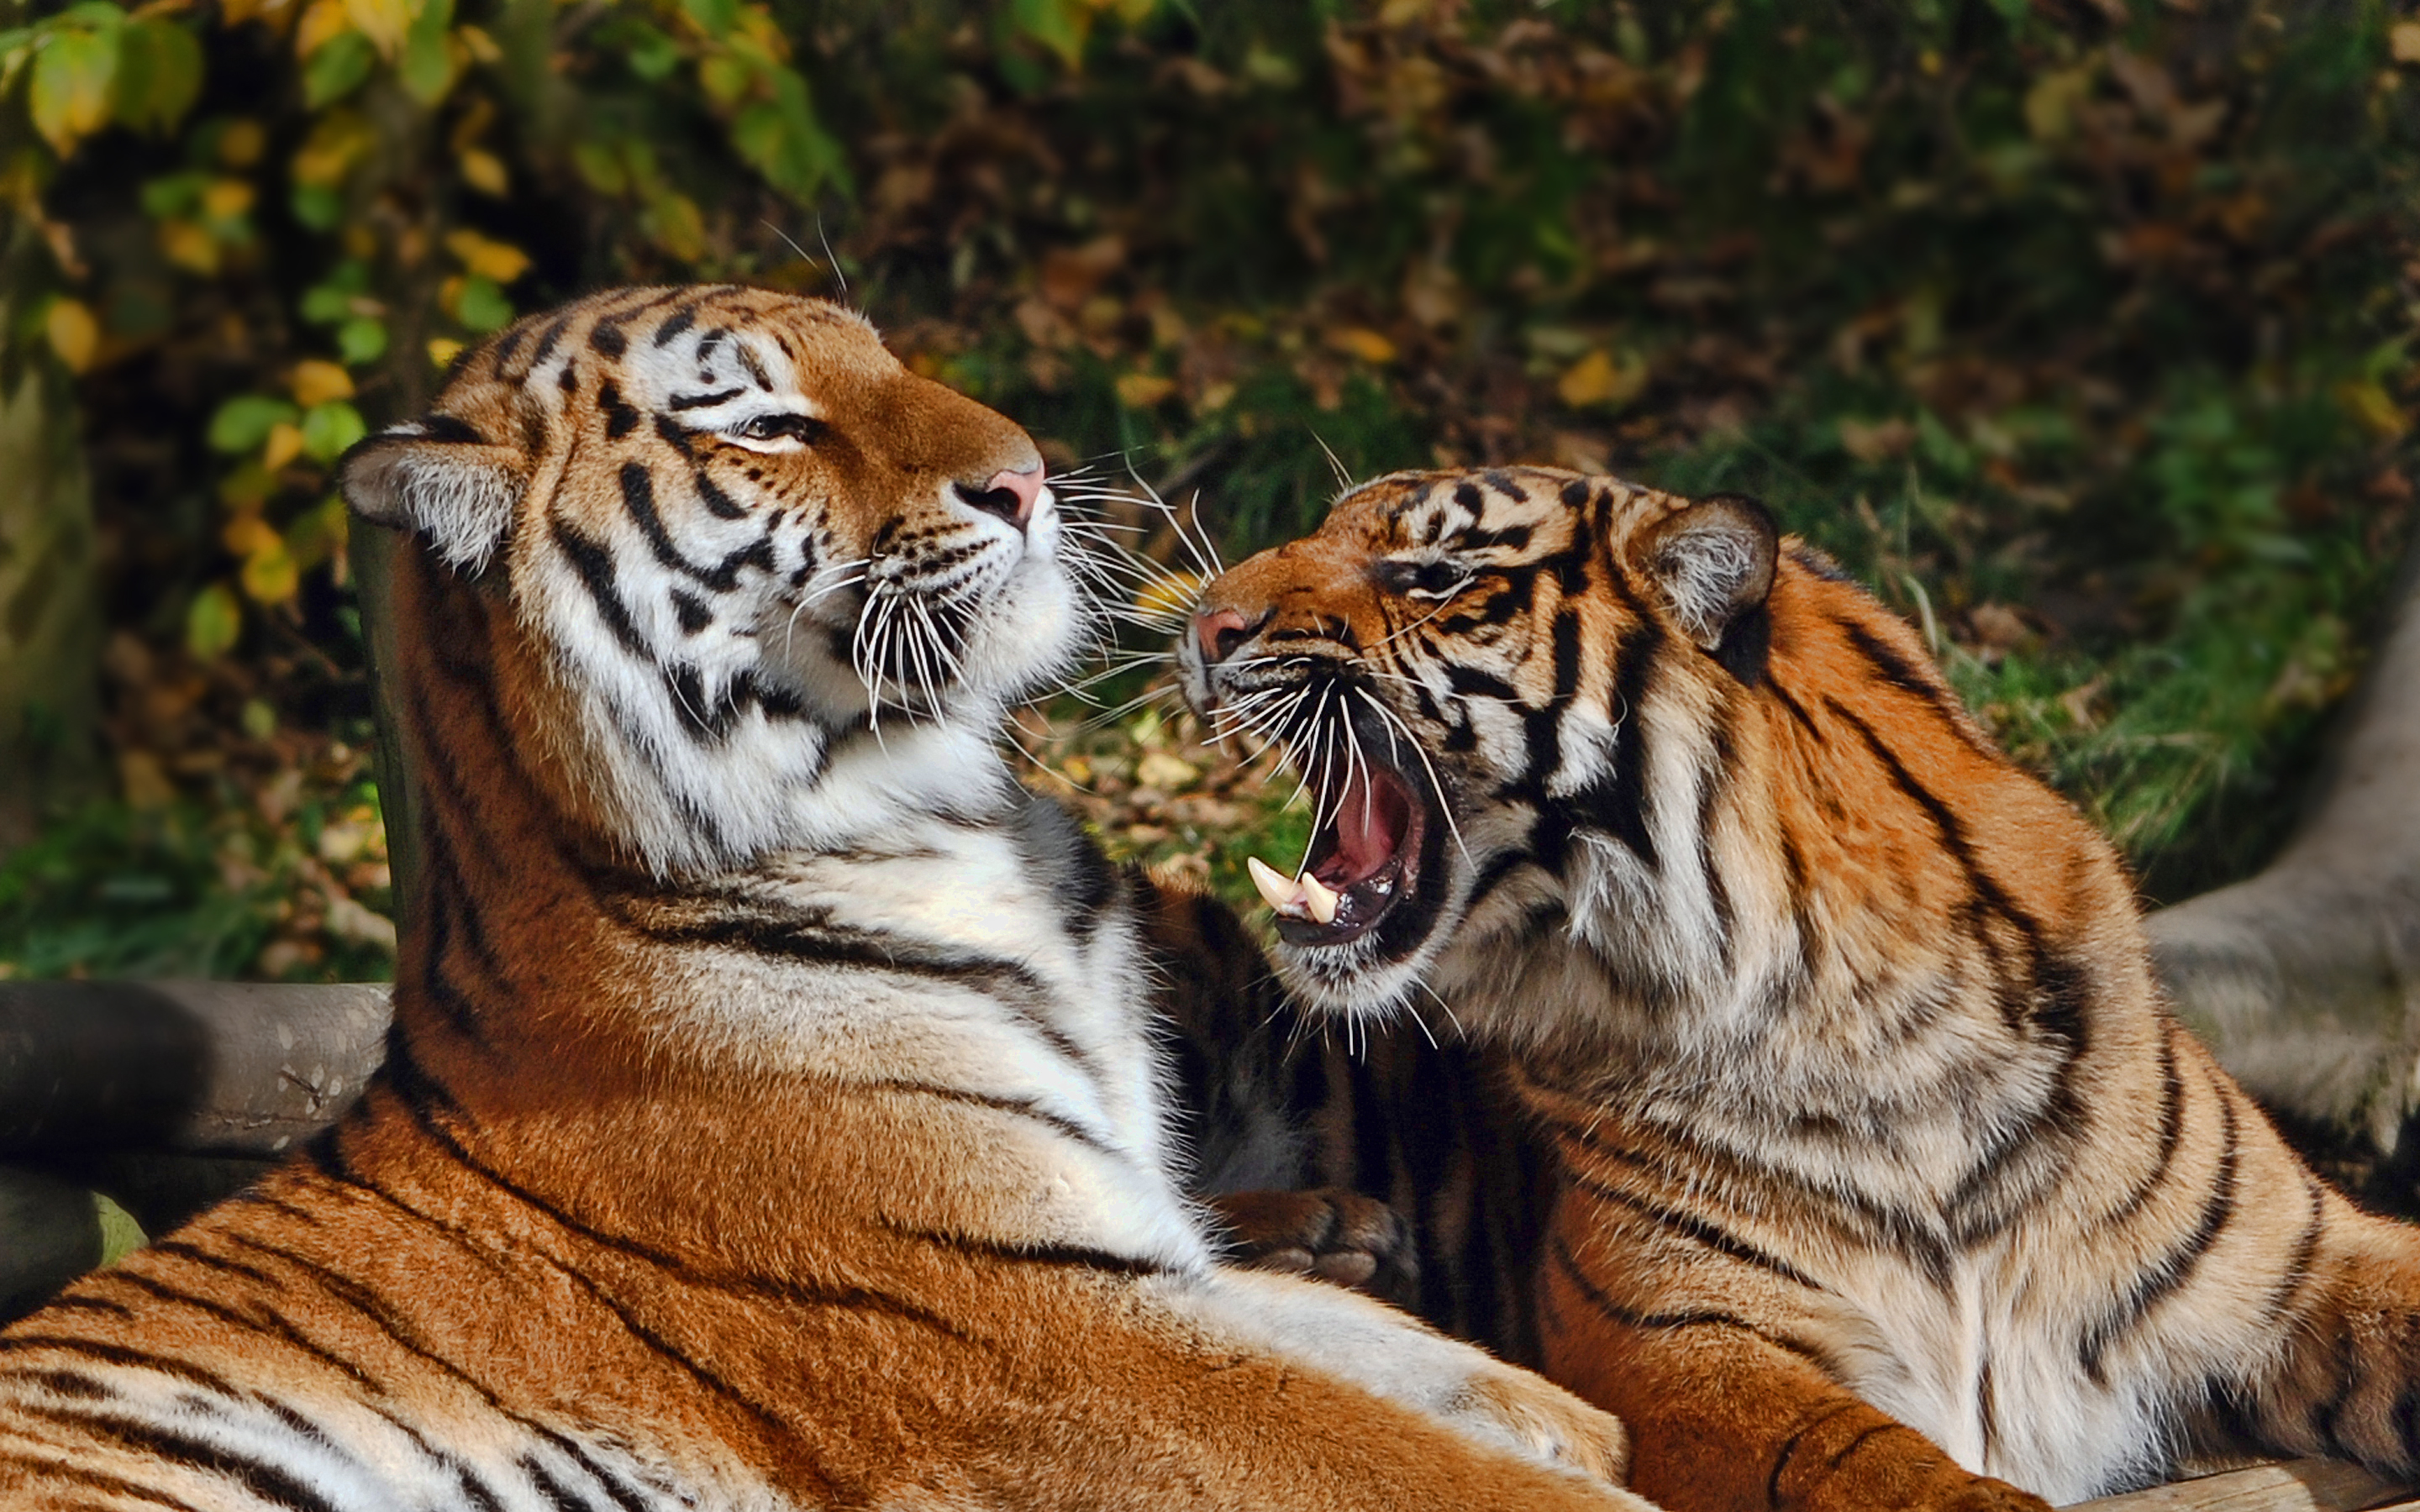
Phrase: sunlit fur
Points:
(1880, 1154)
(770, 1118)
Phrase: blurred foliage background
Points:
(2079, 329)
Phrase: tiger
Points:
(772, 1117)
(1874, 1171)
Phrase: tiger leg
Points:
(2342, 1376)
(1729, 1415)
(1327, 1232)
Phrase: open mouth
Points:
(1364, 858)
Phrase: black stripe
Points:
(670, 330)
(1015, 1106)
(125, 1357)
(76, 1475)
(2172, 1127)
(1692, 1226)
(554, 1492)
(595, 566)
(270, 1483)
(1073, 1256)
(680, 402)
(1559, 1250)
(2174, 1269)
(1789, 1449)
(620, 419)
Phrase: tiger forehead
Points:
(1527, 511)
(686, 349)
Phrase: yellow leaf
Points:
(2050, 105)
(241, 143)
(329, 152)
(269, 574)
(483, 171)
(246, 534)
(1158, 769)
(1597, 378)
(1140, 391)
(1170, 593)
(74, 334)
(449, 295)
(285, 443)
(317, 381)
(481, 46)
(140, 772)
(2403, 41)
(226, 198)
(2367, 403)
(443, 349)
(1362, 341)
(499, 262)
(383, 21)
(189, 247)
(322, 23)
(69, 95)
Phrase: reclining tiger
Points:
(1879, 1175)
(770, 1118)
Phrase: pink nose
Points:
(1219, 630)
(1026, 485)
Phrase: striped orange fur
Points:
(1881, 1175)
(771, 1119)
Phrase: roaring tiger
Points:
(1880, 1174)
(770, 1118)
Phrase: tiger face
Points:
(780, 588)
(1455, 662)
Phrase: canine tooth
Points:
(1275, 889)
(1323, 901)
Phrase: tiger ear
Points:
(440, 479)
(1714, 562)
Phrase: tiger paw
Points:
(1544, 1422)
(1329, 1232)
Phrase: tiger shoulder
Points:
(1879, 1173)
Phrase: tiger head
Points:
(1534, 705)
(776, 588)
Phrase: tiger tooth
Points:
(1275, 889)
(1322, 901)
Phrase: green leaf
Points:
(780, 138)
(243, 423)
(159, 74)
(653, 55)
(329, 429)
(713, 17)
(315, 205)
(1059, 25)
(427, 67)
(73, 75)
(337, 68)
(213, 622)
(601, 167)
(360, 340)
(120, 1234)
(483, 307)
(174, 194)
(324, 305)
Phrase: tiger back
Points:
(1884, 1176)
(770, 1118)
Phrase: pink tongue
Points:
(1369, 825)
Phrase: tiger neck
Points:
(931, 1034)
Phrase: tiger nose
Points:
(1220, 631)
(1008, 495)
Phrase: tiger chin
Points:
(1880, 1174)
(771, 1119)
